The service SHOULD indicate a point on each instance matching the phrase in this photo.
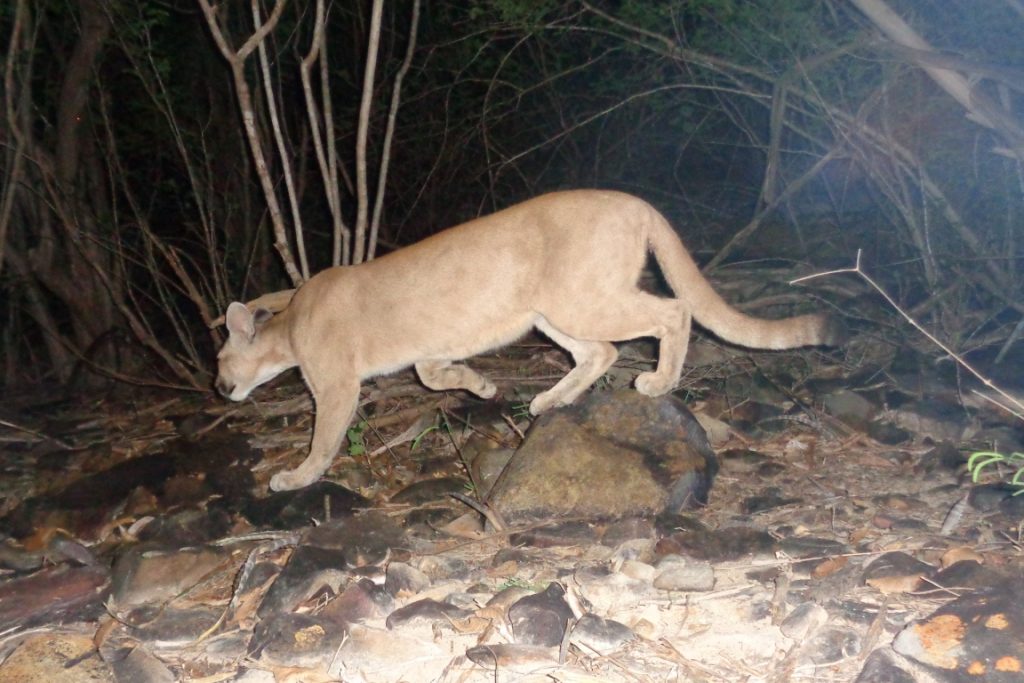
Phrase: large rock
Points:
(615, 454)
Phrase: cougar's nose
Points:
(223, 388)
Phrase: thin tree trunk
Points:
(396, 94)
(361, 133)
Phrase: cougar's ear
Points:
(240, 322)
(261, 316)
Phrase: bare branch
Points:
(17, 155)
(396, 93)
(237, 62)
(326, 160)
(369, 74)
(282, 150)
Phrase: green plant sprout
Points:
(982, 459)
(356, 446)
(419, 437)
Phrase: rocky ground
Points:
(842, 539)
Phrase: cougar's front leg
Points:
(335, 405)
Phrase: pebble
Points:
(309, 568)
(988, 497)
(895, 572)
(146, 574)
(678, 574)
(541, 618)
(142, 666)
(804, 621)
(427, 610)
(641, 571)
(880, 667)
(722, 545)
(367, 539)
(832, 645)
(299, 508)
(360, 600)
(604, 636)
(296, 640)
(55, 658)
(978, 636)
(402, 578)
(170, 627)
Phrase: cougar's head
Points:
(251, 355)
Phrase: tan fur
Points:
(566, 263)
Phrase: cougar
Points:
(565, 263)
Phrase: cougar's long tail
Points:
(714, 314)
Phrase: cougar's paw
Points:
(652, 384)
(487, 390)
(287, 481)
(543, 402)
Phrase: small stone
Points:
(978, 636)
(297, 509)
(541, 618)
(888, 433)
(640, 549)
(722, 545)
(54, 594)
(430, 491)
(966, 574)
(770, 469)
(554, 535)
(255, 676)
(361, 600)
(604, 636)
(191, 527)
(225, 649)
(364, 540)
(512, 657)
(612, 592)
(442, 567)
(431, 611)
(988, 497)
(850, 408)
(308, 569)
(623, 531)
(670, 523)
(405, 579)
(140, 665)
(507, 597)
(169, 627)
(881, 668)
(895, 572)
(487, 466)
(1013, 507)
(742, 460)
(55, 658)
(769, 499)
(682, 575)
(145, 575)
(372, 653)
(296, 640)
(641, 571)
(833, 645)
(802, 547)
(803, 621)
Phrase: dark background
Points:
(788, 130)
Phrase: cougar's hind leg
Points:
(592, 359)
(442, 375)
(633, 315)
